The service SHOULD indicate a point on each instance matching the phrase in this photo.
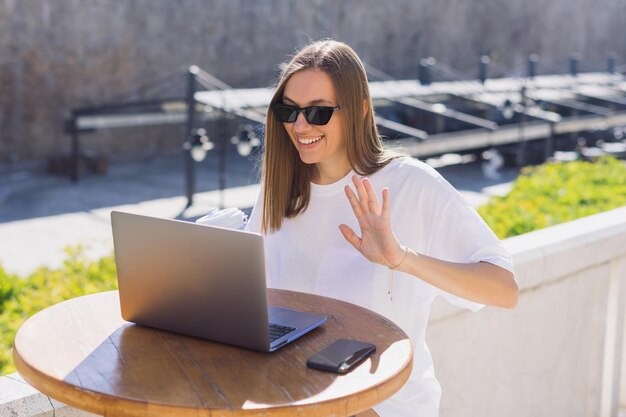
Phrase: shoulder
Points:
(413, 172)
(409, 164)
(418, 185)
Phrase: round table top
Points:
(81, 352)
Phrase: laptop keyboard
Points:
(277, 331)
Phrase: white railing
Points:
(559, 353)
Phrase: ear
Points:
(365, 108)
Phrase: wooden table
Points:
(82, 353)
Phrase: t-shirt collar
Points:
(334, 188)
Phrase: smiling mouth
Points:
(308, 141)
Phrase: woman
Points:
(327, 231)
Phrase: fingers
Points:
(374, 206)
(367, 196)
(386, 211)
(350, 236)
(354, 202)
(362, 192)
(366, 201)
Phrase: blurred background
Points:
(56, 56)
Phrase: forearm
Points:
(481, 282)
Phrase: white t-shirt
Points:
(428, 215)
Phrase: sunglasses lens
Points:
(315, 115)
(318, 115)
(285, 114)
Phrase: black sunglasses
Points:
(315, 115)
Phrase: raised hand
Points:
(377, 242)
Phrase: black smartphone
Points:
(341, 356)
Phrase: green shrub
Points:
(555, 193)
(21, 298)
(9, 286)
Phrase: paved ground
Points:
(42, 214)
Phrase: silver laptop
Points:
(199, 280)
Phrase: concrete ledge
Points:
(19, 399)
(547, 255)
(562, 350)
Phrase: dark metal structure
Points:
(427, 118)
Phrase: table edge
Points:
(90, 401)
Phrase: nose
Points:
(301, 125)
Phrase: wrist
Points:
(399, 260)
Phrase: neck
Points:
(323, 175)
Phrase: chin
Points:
(308, 160)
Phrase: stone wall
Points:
(60, 54)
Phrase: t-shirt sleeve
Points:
(459, 234)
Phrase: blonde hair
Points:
(285, 178)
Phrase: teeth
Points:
(308, 141)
